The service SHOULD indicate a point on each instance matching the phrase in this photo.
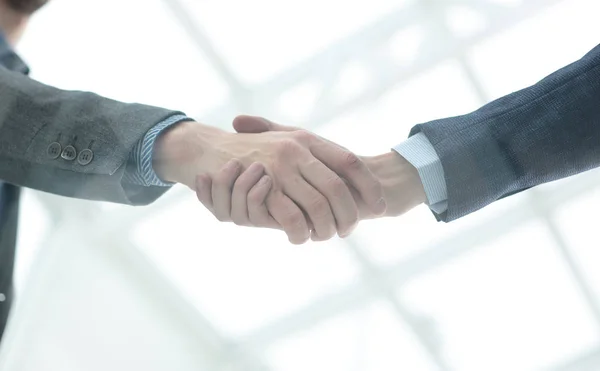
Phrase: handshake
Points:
(273, 176)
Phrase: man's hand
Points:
(304, 186)
(401, 183)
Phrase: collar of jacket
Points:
(10, 59)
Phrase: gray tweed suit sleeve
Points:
(545, 132)
(34, 115)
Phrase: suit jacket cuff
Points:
(139, 169)
(420, 153)
(539, 134)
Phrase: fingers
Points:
(336, 191)
(204, 191)
(258, 213)
(341, 161)
(251, 124)
(240, 198)
(313, 202)
(289, 216)
(241, 192)
(255, 124)
(222, 187)
(352, 168)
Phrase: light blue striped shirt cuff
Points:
(420, 153)
(139, 169)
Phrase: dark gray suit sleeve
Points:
(545, 132)
(33, 115)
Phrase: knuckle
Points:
(293, 220)
(337, 186)
(287, 147)
(242, 186)
(303, 135)
(254, 198)
(352, 161)
(239, 220)
(222, 178)
(228, 174)
(320, 207)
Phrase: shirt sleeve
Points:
(420, 153)
(139, 169)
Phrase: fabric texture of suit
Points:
(545, 132)
(34, 115)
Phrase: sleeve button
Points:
(69, 153)
(54, 150)
(85, 157)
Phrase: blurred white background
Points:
(515, 286)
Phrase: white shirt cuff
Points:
(420, 153)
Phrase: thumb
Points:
(255, 124)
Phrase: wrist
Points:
(400, 180)
(183, 151)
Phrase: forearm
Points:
(34, 115)
(542, 133)
(186, 150)
(400, 180)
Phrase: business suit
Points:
(44, 133)
(542, 133)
